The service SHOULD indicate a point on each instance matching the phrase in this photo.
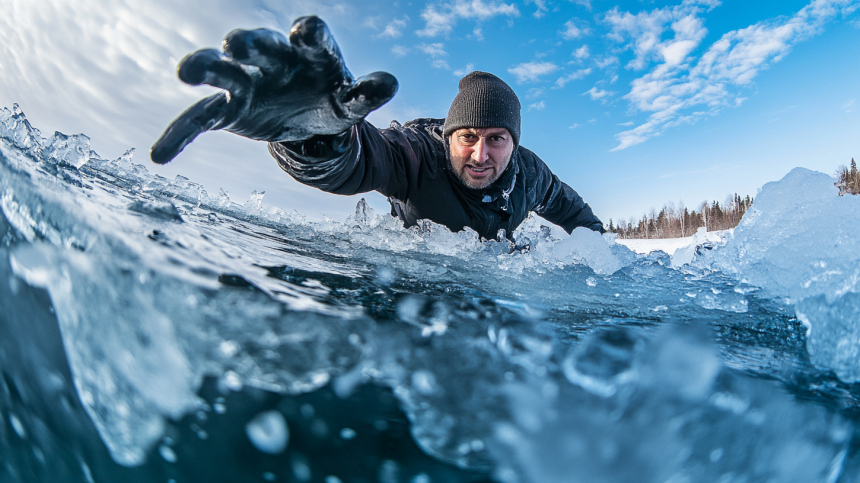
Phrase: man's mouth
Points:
(478, 171)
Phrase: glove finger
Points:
(207, 114)
(267, 49)
(210, 67)
(312, 40)
(368, 93)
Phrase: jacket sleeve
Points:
(559, 203)
(356, 161)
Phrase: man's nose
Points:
(480, 152)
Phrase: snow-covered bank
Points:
(671, 245)
(681, 250)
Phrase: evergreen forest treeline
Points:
(678, 221)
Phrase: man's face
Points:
(479, 156)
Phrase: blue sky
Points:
(633, 103)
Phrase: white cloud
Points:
(597, 94)
(537, 106)
(535, 92)
(532, 71)
(433, 50)
(584, 3)
(572, 31)
(441, 18)
(849, 105)
(478, 34)
(582, 53)
(561, 81)
(605, 62)
(575, 125)
(399, 51)
(465, 70)
(371, 22)
(646, 31)
(680, 84)
(440, 64)
(394, 29)
(628, 123)
(541, 7)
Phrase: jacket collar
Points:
(501, 190)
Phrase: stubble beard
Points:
(467, 182)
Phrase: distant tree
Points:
(854, 180)
(683, 219)
(847, 179)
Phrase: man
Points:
(467, 170)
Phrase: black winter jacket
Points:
(409, 164)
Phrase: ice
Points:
(730, 301)
(534, 360)
(364, 216)
(702, 240)
(588, 247)
(676, 421)
(833, 340)
(800, 241)
(268, 432)
(158, 209)
(70, 150)
(601, 362)
(125, 386)
(15, 127)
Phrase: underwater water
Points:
(150, 331)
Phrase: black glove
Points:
(276, 90)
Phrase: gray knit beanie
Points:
(484, 101)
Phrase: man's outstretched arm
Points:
(556, 201)
(359, 160)
(275, 89)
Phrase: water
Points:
(154, 332)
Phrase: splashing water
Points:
(148, 325)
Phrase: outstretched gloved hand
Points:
(275, 89)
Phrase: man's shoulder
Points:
(424, 125)
(529, 159)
